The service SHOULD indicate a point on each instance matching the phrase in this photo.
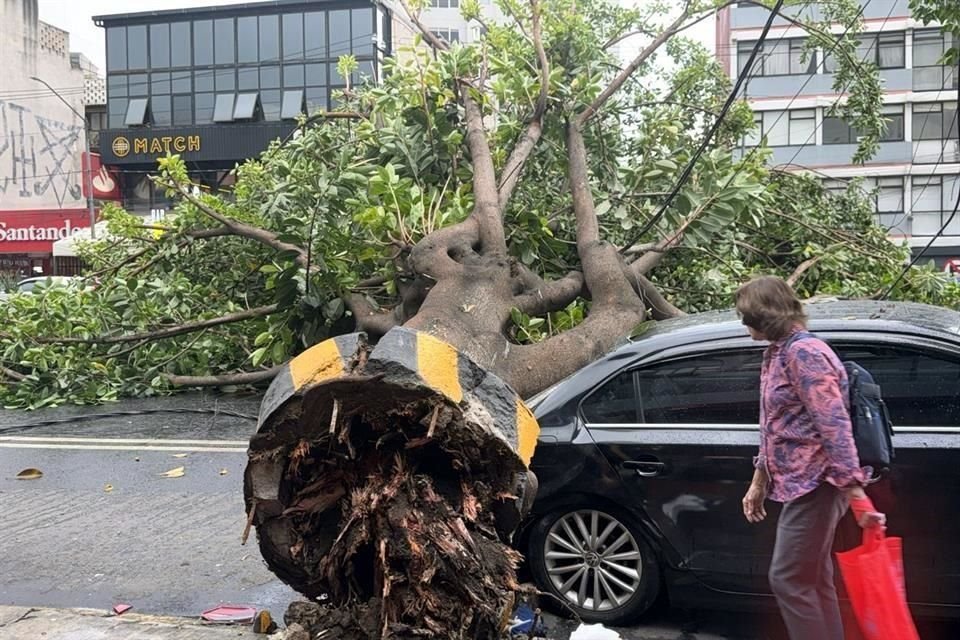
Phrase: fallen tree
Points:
(510, 199)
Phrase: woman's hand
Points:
(753, 507)
(864, 512)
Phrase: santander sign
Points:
(36, 231)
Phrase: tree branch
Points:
(486, 208)
(531, 135)
(249, 377)
(369, 319)
(13, 375)
(167, 332)
(629, 70)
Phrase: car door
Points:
(685, 457)
(921, 386)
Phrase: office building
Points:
(916, 172)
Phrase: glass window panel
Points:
(203, 42)
(159, 46)
(292, 36)
(803, 124)
(247, 40)
(248, 78)
(867, 48)
(890, 197)
(160, 83)
(182, 110)
(365, 72)
(161, 111)
(836, 131)
(797, 66)
(180, 82)
(116, 49)
(754, 137)
(891, 51)
(920, 389)
(334, 76)
(928, 78)
(715, 388)
(269, 38)
(776, 60)
(117, 86)
(292, 104)
(271, 101)
(117, 111)
(203, 80)
(139, 86)
(897, 224)
(743, 54)
(137, 47)
(927, 122)
(226, 80)
(894, 131)
(269, 77)
(223, 110)
(136, 112)
(224, 41)
(316, 99)
(316, 74)
(339, 33)
(927, 48)
(776, 126)
(950, 121)
(315, 35)
(925, 223)
(246, 106)
(829, 63)
(613, 403)
(926, 194)
(361, 24)
(203, 108)
(293, 75)
(180, 44)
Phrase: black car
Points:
(644, 457)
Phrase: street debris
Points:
(174, 473)
(264, 623)
(223, 472)
(108, 488)
(120, 609)
(390, 481)
(229, 614)
(594, 632)
(179, 455)
(30, 474)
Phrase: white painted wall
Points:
(41, 140)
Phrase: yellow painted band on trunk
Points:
(528, 430)
(316, 364)
(437, 365)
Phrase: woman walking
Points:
(807, 460)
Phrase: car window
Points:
(715, 388)
(613, 403)
(27, 287)
(921, 389)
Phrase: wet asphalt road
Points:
(103, 526)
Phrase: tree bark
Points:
(250, 377)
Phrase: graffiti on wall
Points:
(39, 157)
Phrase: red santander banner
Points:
(105, 181)
(29, 231)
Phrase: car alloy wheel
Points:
(593, 560)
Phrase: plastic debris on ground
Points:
(229, 614)
(527, 623)
(120, 609)
(594, 632)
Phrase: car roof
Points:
(824, 314)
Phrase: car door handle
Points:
(646, 468)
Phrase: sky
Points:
(75, 16)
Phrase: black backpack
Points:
(872, 427)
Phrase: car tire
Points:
(572, 556)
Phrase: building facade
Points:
(217, 84)
(916, 172)
(42, 198)
(443, 18)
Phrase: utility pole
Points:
(88, 164)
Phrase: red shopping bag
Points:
(873, 576)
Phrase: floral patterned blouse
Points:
(805, 433)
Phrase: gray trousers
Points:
(801, 571)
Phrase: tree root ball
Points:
(389, 501)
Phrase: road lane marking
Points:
(162, 441)
(118, 447)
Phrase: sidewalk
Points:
(25, 623)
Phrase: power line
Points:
(713, 129)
